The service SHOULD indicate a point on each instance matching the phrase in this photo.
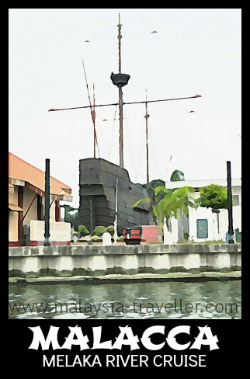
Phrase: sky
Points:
(192, 51)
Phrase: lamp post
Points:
(47, 203)
(116, 209)
(229, 205)
(146, 117)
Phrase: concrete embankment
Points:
(116, 262)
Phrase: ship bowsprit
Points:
(97, 192)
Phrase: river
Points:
(184, 300)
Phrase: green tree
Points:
(169, 203)
(154, 198)
(150, 200)
(159, 210)
(177, 176)
(215, 197)
(174, 204)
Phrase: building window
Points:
(202, 228)
(236, 200)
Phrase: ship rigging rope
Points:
(92, 108)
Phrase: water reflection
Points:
(212, 299)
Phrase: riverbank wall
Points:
(100, 261)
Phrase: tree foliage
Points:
(99, 230)
(167, 203)
(83, 231)
(213, 196)
(150, 187)
(177, 176)
(179, 199)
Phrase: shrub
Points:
(99, 230)
(83, 230)
(95, 238)
(120, 239)
(111, 229)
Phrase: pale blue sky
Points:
(195, 51)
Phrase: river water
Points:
(186, 300)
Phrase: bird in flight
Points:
(191, 111)
(154, 31)
(87, 40)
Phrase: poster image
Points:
(124, 188)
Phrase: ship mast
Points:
(120, 80)
(121, 154)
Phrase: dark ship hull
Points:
(97, 192)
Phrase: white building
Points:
(202, 224)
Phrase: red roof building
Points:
(27, 198)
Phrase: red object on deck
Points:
(132, 236)
(150, 233)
